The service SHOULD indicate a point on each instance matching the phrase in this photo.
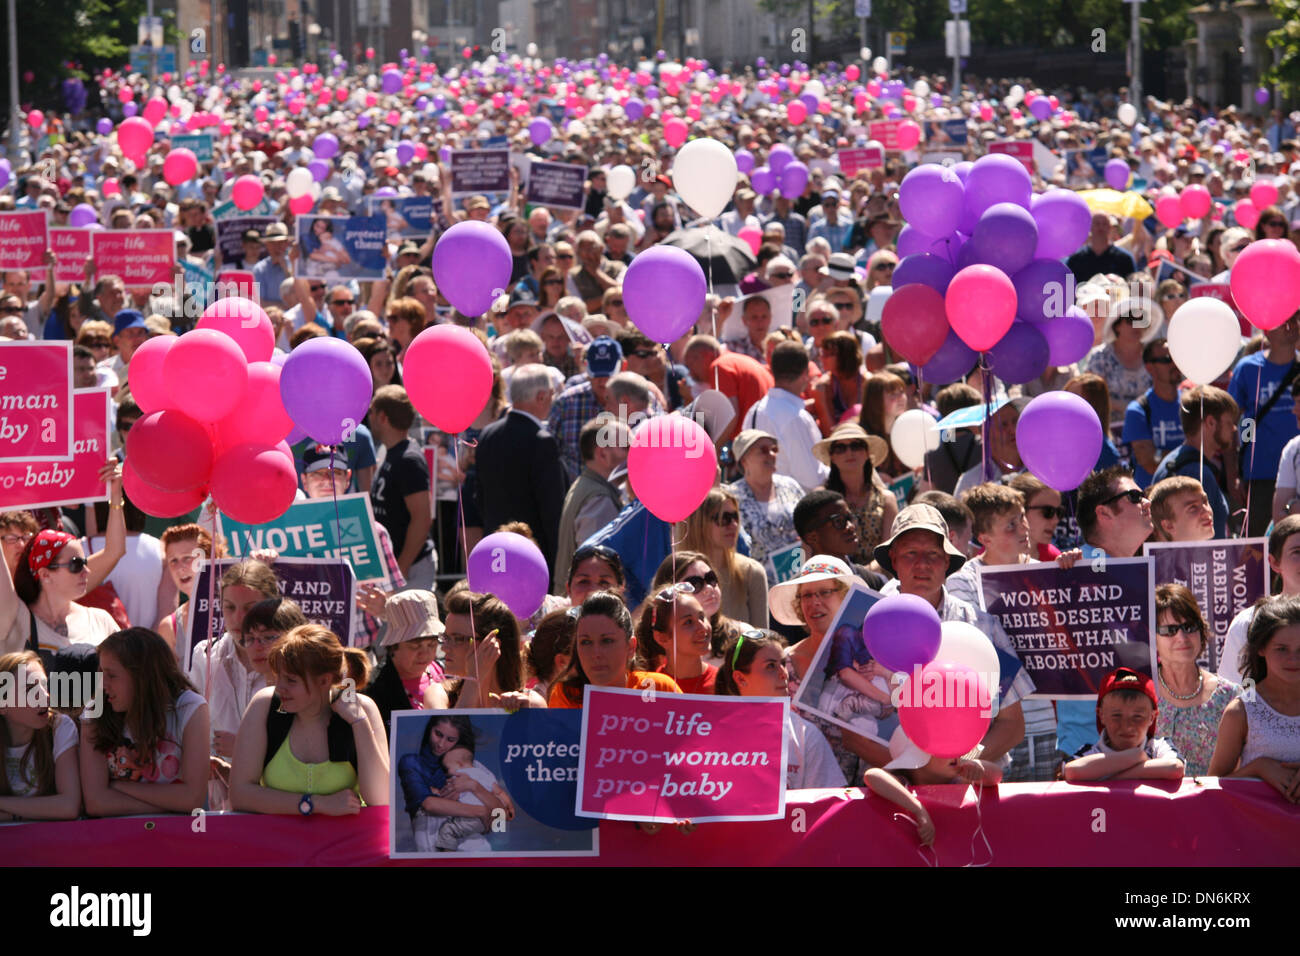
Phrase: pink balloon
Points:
(155, 111)
(851, 72)
(301, 205)
(1263, 194)
(909, 134)
(260, 419)
(671, 464)
(254, 483)
(245, 322)
(170, 450)
(1266, 282)
(945, 712)
(135, 136)
(112, 187)
(675, 131)
(247, 192)
(180, 166)
(1196, 202)
(981, 305)
(448, 376)
(914, 323)
(1169, 211)
(1246, 213)
(752, 235)
(145, 374)
(154, 501)
(986, 112)
(206, 374)
(796, 111)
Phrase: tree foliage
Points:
(1286, 39)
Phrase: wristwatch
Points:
(305, 805)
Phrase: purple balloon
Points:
(936, 100)
(1063, 222)
(439, 102)
(392, 82)
(422, 103)
(930, 198)
(925, 268)
(779, 157)
(634, 108)
(320, 170)
(325, 146)
(1261, 96)
(997, 178)
(1061, 464)
(326, 414)
(902, 631)
(444, 122)
(1069, 338)
(951, 363)
(963, 169)
(471, 266)
(763, 180)
(540, 130)
(363, 121)
(744, 160)
(793, 179)
(511, 567)
(912, 241)
(1117, 173)
(130, 109)
(1021, 354)
(809, 101)
(1039, 285)
(104, 126)
(1005, 236)
(405, 152)
(1041, 107)
(663, 292)
(83, 214)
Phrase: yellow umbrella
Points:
(1130, 205)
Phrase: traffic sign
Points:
(957, 7)
(897, 44)
(862, 8)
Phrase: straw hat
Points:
(877, 447)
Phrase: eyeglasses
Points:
(922, 557)
(699, 582)
(455, 640)
(822, 594)
(726, 518)
(16, 538)
(263, 640)
(1134, 495)
(1049, 512)
(75, 565)
(813, 323)
(845, 447)
(1171, 630)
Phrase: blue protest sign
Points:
(342, 247)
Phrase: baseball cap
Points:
(604, 356)
(521, 295)
(1125, 678)
(409, 248)
(320, 457)
(830, 194)
(128, 319)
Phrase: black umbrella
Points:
(730, 258)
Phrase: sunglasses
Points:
(645, 353)
(726, 519)
(317, 288)
(1161, 360)
(10, 309)
(617, 302)
(553, 282)
(671, 592)
(1239, 247)
(1134, 495)
(883, 267)
(1171, 630)
(564, 255)
(1171, 297)
(597, 551)
(780, 275)
(753, 635)
(700, 581)
(844, 306)
(813, 323)
(343, 301)
(1049, 512)
(98, 344)
(1275, 222)
(840, 522)
(845, 447)
(75, 565)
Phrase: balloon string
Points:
(212, 617)
(713, 306)
(920, 850)
(986, 427)
(979, 830)
(1245, 524)
(925, 460)
(338, 533)
(464, 544)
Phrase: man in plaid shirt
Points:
(580, 403)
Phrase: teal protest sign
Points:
(309, 530)
(200, 144)
(228, 208)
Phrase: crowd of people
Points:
(814, 495)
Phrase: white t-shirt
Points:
(1288, 466)
(86, 625)
(1233, 644)
(810, 762)
(124, 762)
(1155, 748)
(137, 576)
(65, 737)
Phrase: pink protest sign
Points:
(142, 257)
(22, 240)
(662, 758)
(237, 282)
(49, 483)
(35, 401)
(862, 157)
(71, 247)
(1021, 149)
(1223, 292)
(885, 132)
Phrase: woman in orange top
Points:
(603, 649)
(673, 637)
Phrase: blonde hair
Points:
(695, 536)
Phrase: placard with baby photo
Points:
(486, 783)
(845, 684)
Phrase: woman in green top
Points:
(311, 743)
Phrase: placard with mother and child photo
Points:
(483, 782)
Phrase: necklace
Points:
(59, 627)
(1200, 685)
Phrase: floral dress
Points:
(1125, 384)
(1193, 731)
(770, 524)
(847, 759)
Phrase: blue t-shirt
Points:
(1191, 467)
(1278, 427)
(1159, 424)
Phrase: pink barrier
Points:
(1245, 823)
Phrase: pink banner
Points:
(1223, 292)
(22, 240)
(1021, 149)
(238, 282)
(863, 157)
(669, 757)
(35, 401)
(142, 257)
(72, 248)
(45, 484)
(885, 132)
(1198, 822)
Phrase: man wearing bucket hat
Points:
(410, 677)
(920, 556)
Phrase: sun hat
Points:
(877, 447)
(411, 615)
(919, 518)
(745, 440)
(820, 567)
(904, 754)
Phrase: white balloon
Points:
(1128, 114)
(962, 643)
(880, 65)
(816, 87)
(620, 181)
(913, 435)
(296, 83)
(298, 182)
(702, 81)
(1203, 339)
(704, 175)
(864, 54)
(921, 88)
(1017, 94)
(531, 49)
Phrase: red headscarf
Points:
(46, 548)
